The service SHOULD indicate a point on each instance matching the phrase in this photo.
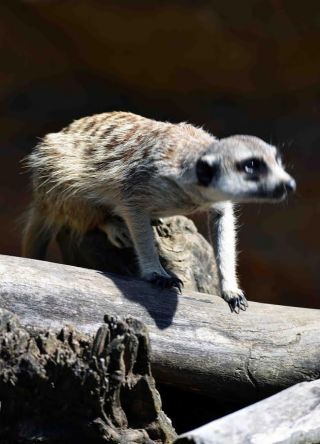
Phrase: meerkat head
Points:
(243, 169)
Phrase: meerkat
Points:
(119, 171)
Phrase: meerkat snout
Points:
(290, 185)
(283, 189)
(277, 184)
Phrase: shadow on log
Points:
(65, 387)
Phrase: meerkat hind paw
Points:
(123, 241)
(236, 301)
(166, 281)
(156, 222)
(118, 234)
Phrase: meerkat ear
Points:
(207, 168)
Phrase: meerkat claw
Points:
(243, 303)
(236, 302)
(166, 281)
(234, 306)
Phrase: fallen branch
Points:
(197, 344)
(290, 417)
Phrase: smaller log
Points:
(66, 387)
(290, 417)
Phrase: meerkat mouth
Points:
(276, 194)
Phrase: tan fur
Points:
(70, 186)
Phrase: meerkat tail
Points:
(36, 236)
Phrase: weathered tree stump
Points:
(66, 387)
(182, 250)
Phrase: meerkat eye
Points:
(252, 166)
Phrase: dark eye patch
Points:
(252, 167)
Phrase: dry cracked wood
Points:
(290, 417)
(70, 388)
(197, 344)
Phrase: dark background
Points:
(234, 67)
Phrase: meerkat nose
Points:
(290, 185)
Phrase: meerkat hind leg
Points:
(117, 231)
(36, 236)
(151, 269)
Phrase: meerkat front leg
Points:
(141, 232)
(223, 233)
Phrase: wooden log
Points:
(67, 387)
(289, 417)
(197, 344)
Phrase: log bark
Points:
(290, 417)
(197, 344)
(66, 387)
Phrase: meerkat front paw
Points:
(165, 281)
(235, 299)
